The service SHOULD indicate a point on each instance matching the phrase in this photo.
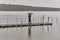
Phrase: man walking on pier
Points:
(29, 18)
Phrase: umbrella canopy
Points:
(10, 7)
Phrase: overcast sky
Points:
(49, 3)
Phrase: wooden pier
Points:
(24, 25)
(30, 23)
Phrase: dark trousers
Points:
(29, 20)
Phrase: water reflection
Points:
(48, 28)
(29, 30)
(42, 34)
(43, 28)
(27, 33)
(29, 36)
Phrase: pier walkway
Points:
(24, 25)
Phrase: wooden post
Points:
(48, 23)
(21, 22)
(52, 23)
(43, 22)
(16, 24)
(25, 20)
(56, 20)
(51, 20)
(48, 19)
(43, 19)
(7, 25)
(7, 28)
(2, 24)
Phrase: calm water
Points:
(37, 33)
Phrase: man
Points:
(29, 18)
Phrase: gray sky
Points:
(49, 3)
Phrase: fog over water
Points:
(37, 32)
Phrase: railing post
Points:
(48, 23)
(43, 22)
(16, 24)
(7, 24)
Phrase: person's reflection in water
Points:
(29, 33)
(29, 30)
(29, 23)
